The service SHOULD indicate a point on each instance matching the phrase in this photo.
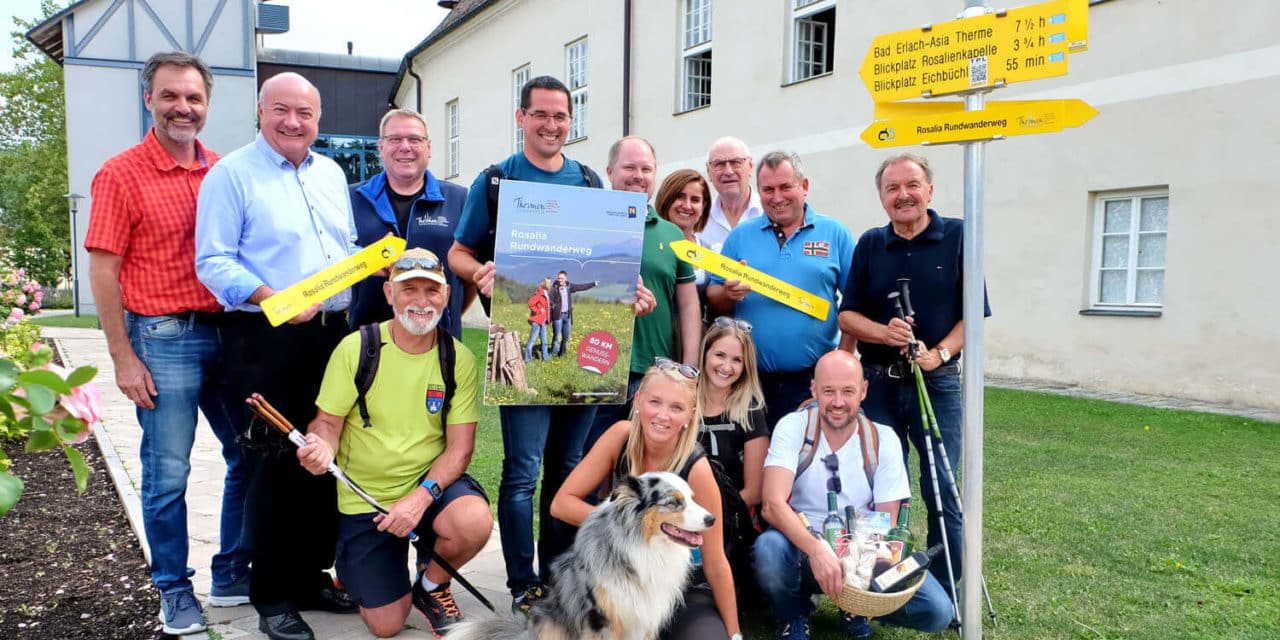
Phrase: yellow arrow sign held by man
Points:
(1029, 43)
(761, 282)
(284, 305)
(909, 123)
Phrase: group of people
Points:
(185, 246)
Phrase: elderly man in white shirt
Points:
(729, 168)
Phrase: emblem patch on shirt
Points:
(435, 400)
(436, 221)
(816, 248)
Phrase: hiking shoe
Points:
(437, 606)
(855, 626)
(522, 603)
(181, 613)
(797, 629)
(232, 595)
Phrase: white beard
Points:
(417, 327)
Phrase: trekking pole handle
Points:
(904, 294)
(896, 297)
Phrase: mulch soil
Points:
(70, 566)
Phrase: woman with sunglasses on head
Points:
(733, 430)
(539, 314)
(662, 436)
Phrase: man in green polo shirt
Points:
(411, 455)
(633, 167)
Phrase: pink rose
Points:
(34, 306)
(15, 315)
(22, 299)
(85, 402)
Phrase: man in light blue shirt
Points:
(269, 215)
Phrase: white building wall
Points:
(1186, 95)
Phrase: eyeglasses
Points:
(414, 141)
(832, 463)
(543, 116)
(736, 163)
(724, 322)
(667, 364)
(410, 262)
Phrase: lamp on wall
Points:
(74, 199)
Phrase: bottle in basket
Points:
(833, 527)
(902, 533)
(902, 575)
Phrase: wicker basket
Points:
(874, 605)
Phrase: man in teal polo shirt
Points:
(803, 248)
(632, 167)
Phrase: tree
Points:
(34, 226)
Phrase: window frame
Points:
(697, 52)
(804, 10)
(517, 134)
(1134, 234)
(453, 132)
(577, 58)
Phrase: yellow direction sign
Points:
(1029, 43)
(945, 122)
(761, 282)
(284, 305)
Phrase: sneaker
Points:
(181, 613)
(797, 629)
(855, 626)
(437, 606)
(232, 595)
(521, 604)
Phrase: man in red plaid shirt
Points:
(161, 326)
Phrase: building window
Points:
(518, 79)
(575, 58)
(696, 55)
(357, 155)
(813, 38)
(451, 128)
(1130, 232)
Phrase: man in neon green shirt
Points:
(405, 457)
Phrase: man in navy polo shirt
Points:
(927, 248)
(802, 247)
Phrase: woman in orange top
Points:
(539, 313)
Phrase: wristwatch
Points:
(736, 636)
(432, 488)
(944, 353)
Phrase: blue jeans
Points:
(560, 328)
(893, 402)
(182, 355)
(536, 330)
(533, 437)
(787, 581)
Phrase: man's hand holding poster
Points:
(568, 259)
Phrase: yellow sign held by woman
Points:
(286, 304)
(761, 282)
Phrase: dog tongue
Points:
(691, 538)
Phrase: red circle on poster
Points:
(598, 352)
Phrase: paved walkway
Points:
(119, 436)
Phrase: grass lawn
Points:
(1102, 520)
(82, 322)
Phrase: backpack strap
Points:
(809, 448)
(492, 181)
(870, 441)
(367, 366)
(448, 357)
(591, 178)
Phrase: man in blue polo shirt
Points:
(802, 247)
(927, 248)
(406, 200)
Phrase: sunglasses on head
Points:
(409, 262)
(667, 364)
(832, 463)
(724, 322)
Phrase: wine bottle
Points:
(902, 575)
(833, 527)
(902, 532)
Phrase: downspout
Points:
(626, 67)
(417, 88)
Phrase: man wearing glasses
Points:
(729, 169)
(788, 545)
(532, 436)
(407, 201)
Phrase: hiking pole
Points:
(271, 416)
(931, 422)
(896, 297)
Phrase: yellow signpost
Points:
(761, 282)
(284, 305)
(1019, 45)
(908, 123)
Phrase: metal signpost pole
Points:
(975, 155)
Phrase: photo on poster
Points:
(568, 259)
